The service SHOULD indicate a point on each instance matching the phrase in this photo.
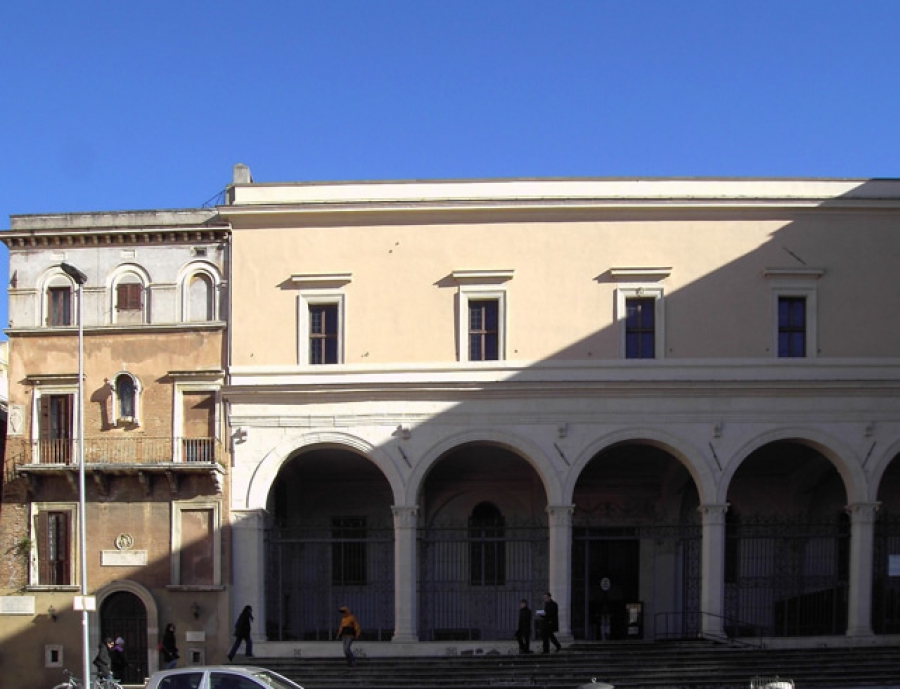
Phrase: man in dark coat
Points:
(523, 631)
(102, 661)
(551, 623)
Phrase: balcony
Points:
(140, 456)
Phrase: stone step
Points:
(633, 665)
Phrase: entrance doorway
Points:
(606, 577)
(123, 614)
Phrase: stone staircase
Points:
(644, 665)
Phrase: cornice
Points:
(53, 238)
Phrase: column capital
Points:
(863, 511)
(248, 519)
(405, 516)
(560, 515)
(713, 513)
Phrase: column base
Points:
(405, 639)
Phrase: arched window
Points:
(59, 302)
(200, 302)
(487, 546)
(129, 298)
(126, 399)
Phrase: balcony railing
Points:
(128, 450)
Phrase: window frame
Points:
(34, 568)
(200, 382)
(186, 275)
(47, 390)
(792, 283)
(128, 274)
(179, 507)
(118, 418)
(481, 285)
(321, 289)
(626, 292)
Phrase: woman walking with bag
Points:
(242, 633)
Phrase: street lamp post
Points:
(80, 278)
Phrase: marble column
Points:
(248, 558)
(712, 568)
(559, 521)
(862, 537)
(405, 574)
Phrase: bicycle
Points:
(99, 682)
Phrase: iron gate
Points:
(885, 586)
(123, 614)
(471, 580)
(784, 578)
(614, 553)
(312, 571)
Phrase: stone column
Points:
(405, 574)
(559, 519)
(862, 537)
(712, 568)
(248, 558)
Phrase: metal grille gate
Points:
(461, 597)
(312, 571)
(784, 578)
(885, 587)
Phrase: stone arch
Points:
(528, 451)
(141, 593)
(880, 464)
(844, 460)
(266, 471)
(700, 472)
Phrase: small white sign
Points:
(195, 637)
(16, 605)
(894, 565)
(88, 603)
(123, 558)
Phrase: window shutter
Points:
(129, 296)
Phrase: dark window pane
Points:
(484, 330)
(59, 303)
(487, 546)
(125, 393)
(640, 328)
(792, 327)
(323, 334)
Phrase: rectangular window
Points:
(640, 328)
(53, 537)
(348, 551)
(196, 543)
(484, 330)
(59, 306)
(197, 547)
(129, 296)
(791, 327)
(323, 333)
(56, 429)
(199, 441)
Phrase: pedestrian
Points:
(169, 648)
(348, 631)
(523, 631)
(551, 624)
(118, 660)
(242, 633)
(102, 661)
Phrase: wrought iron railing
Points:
(125, 450)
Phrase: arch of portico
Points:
(860, 506)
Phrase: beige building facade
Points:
(671, 403)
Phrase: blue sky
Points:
(135, 105)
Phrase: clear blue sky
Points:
(132, 105)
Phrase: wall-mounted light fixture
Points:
(52, 612)
(195, 610)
